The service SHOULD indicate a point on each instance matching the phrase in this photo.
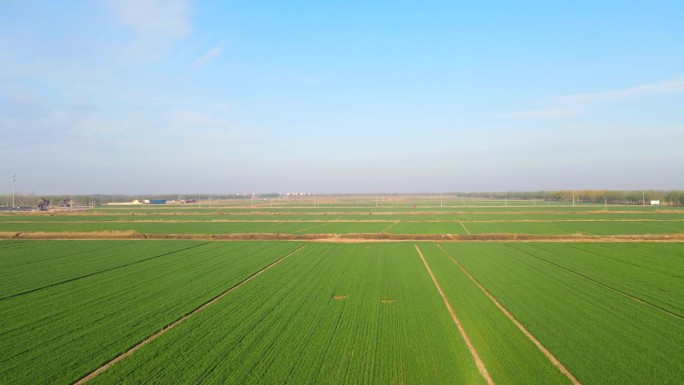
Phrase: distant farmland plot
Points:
(593, 228)
(345, 308)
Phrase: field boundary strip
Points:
(329, 237)
(175, 323)
(633, 298)
(529, 335)
(478, 361)
(464, 228)
(100, 272)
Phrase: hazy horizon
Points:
(119, 97)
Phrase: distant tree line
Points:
(32, 199)
(669, 198)
(666, 198)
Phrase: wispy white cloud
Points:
(214, 128)
(210, 55)
(23, 105)
(575, 104)
(666, 87)
(168, 19)
(545, 113)
(221, 106)
(156, 24)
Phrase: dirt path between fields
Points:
(349, 237)
(153, 337)
(478, 361)
(529, 335)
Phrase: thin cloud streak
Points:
(667, 87)
(210, 55)
(156, 26)
(166, 19)
(545, 113)
(576, 104)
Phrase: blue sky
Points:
(152, 96)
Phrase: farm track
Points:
(636, 299)
(476, 357)
(175, 323)
(529, 335)
(348, 237)
(99, 272)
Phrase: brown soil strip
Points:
(388, 301)
(346, 238)
(358, 240)
(340, 297)
(641, 301)
(529, 335)
(478, 361)
(153, 337)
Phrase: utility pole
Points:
(573, 198)
(14, 181)
(441, 199)
(643, 198)
(506, 198)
